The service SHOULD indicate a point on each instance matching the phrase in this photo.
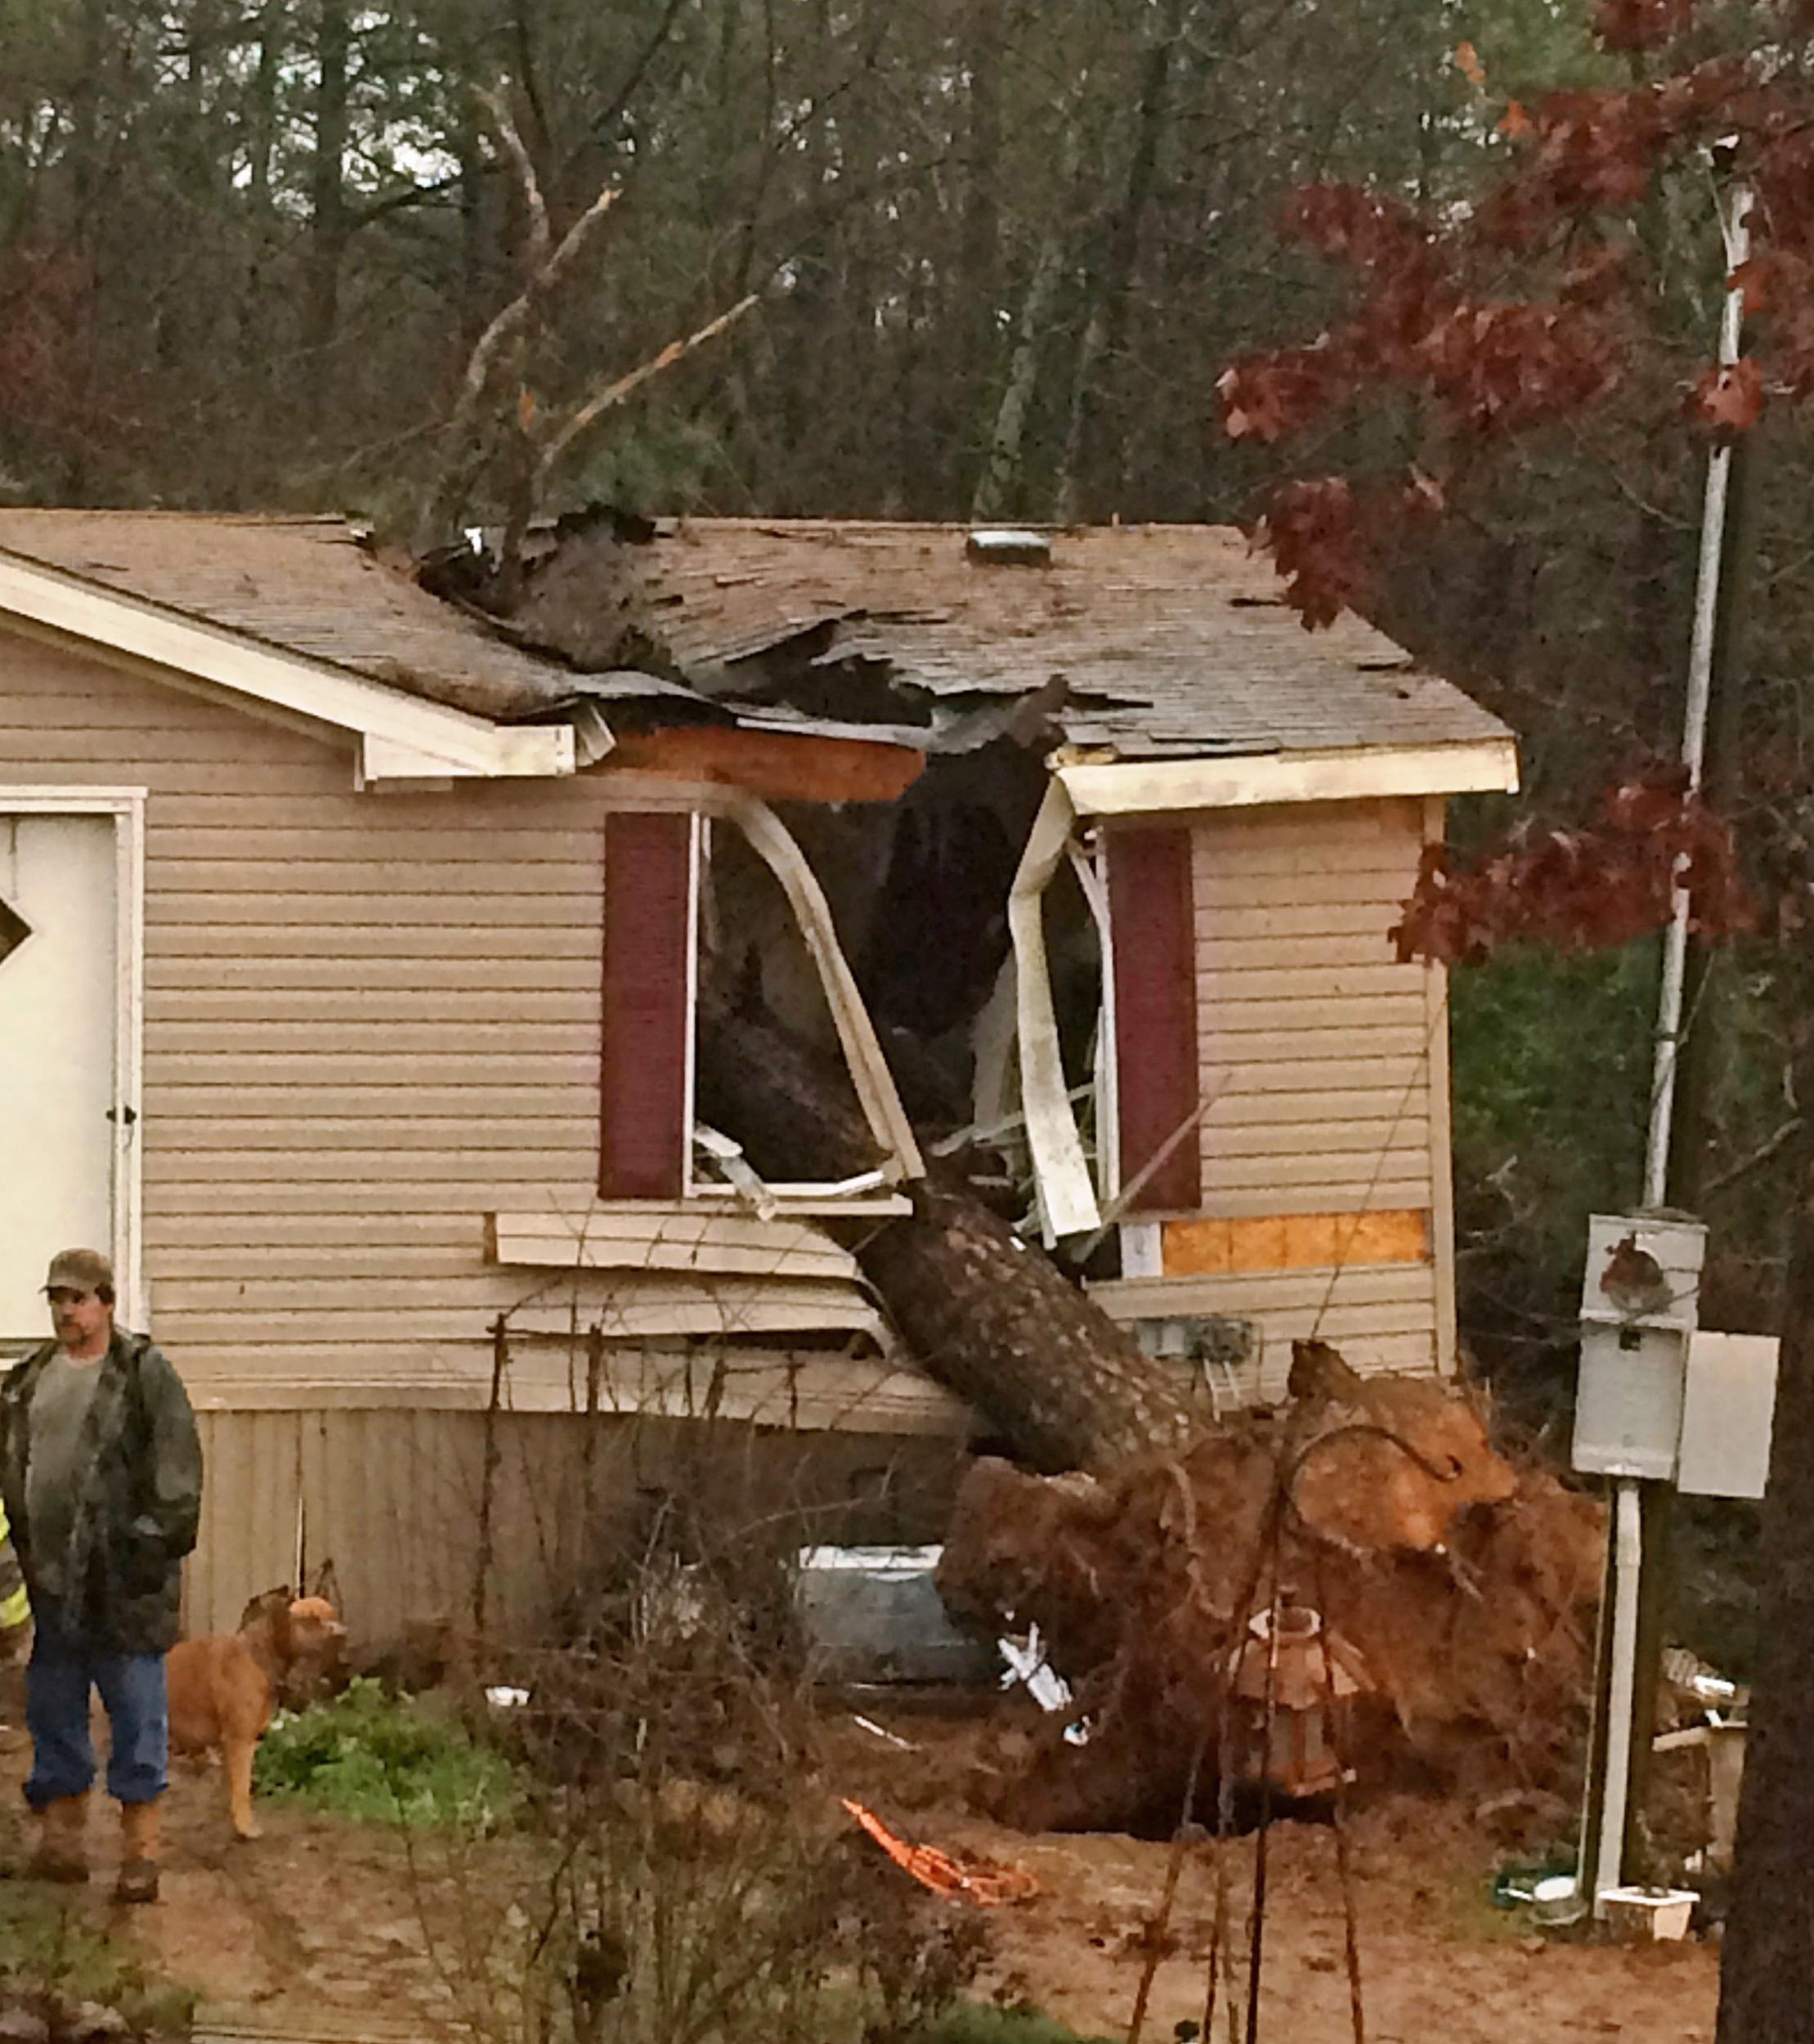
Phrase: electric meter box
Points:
(1675, 1244)
(1640, 1296)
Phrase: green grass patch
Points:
(47, 1949)
(384, 1759)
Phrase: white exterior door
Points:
(59, 1054)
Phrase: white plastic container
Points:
(1648, 1916)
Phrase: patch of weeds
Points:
(49, 1953)
(385, 1760)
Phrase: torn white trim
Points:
(771, 841)
(1134, 787)
(1067, 1197)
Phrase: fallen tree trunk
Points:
(1462, 1589)
(991, 1317)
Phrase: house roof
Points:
(1134, 643)
(301, 585)
(1156, 640)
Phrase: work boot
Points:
(61, 1852)
(138, 1853)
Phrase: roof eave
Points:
(1132, 787)
(403, 738)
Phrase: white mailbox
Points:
(1640, 1300)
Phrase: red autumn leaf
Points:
(1635, 25)
(1314, 534)
(1515, 121)
(1266, 396)
(1354, 224)
(1498, 367)
(1606, 885)
(1467, 62)
(1597, 273)
(1728, 399)
(1759, 278)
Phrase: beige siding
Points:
(369, 1021)
(393, 1499)
(1326, 1065)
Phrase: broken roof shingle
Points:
(1169, 639)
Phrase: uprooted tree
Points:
(1143, 1536)
(1537, 311)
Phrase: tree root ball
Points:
(1465, 1587)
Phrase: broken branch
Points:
(583, 416)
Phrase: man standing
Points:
(100, 1473)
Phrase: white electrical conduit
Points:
(1733, 207)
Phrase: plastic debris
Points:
(968, 1878)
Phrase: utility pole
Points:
(1635, 1576)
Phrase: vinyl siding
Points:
(369, 1022)
(1326, 1065)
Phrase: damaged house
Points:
(362, 932)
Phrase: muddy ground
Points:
(318, 1930)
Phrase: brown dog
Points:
(223, 1690)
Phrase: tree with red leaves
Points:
(1475, 328)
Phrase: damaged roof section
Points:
(1145, 642)
(1129, 643)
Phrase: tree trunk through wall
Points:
(1766, 1963)
(987, 1313)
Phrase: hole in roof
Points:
(1256, 602)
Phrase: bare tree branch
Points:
(583, 416)
(537, 254)
(1749, 1162)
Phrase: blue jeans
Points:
(64, 1668)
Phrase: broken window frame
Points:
(770, 841)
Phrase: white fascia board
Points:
(1132, 787)
(454, 742)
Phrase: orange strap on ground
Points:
(983, 1882)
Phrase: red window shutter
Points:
(643, 1136)
(1156, 1076)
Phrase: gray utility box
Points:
(1640, 1301)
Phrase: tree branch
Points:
(493, 102)
(1760, 1155)
(614, 393)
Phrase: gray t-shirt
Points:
(53, 1479)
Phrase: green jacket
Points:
(139, 1505)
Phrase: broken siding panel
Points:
(721, 1244)
(1442, 1152)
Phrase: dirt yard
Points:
(317, 1930)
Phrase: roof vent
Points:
(998, 547)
